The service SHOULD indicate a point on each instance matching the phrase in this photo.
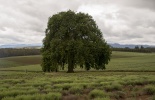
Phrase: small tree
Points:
(136, 47)
(73, 39)
(141, 47)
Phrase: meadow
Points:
(128, 76)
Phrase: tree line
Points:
(9, 52)
(136, 49)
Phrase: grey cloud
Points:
(11, 37)
(27, 19)
(143, 4)
(2, 28)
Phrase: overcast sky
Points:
(121, 21)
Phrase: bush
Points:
(113, 86)
(49, 96)
(97, 94)
(66, 86)
(59, 81)
(53, 96)
(153, 98)
(105, 98)
(119, 94)
(149, 89)
(76, 89)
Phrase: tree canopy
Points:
(73, 39)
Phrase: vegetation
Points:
(62, 86)
(130, 83)
(73, 39)
(120, 61)
(149, 89)
(19, 61)
(132, 61)
(10, 52)
(136, 49)
(97, 94)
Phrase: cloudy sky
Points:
(121, 21)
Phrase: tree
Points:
(73, 39)
(141, 47)
(136, 47)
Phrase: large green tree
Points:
(73, 39)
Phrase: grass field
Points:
(132, 61)
(129, 76)
(19, 61)
(127, 61)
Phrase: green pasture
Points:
(77, 86)
(19, 61)
(122, 61)
(129, 76)
(132, 61)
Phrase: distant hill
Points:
(115, 45)
(21, 46)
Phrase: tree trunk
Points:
(70, 66)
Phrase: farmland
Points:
(129, 76)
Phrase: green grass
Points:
(91, 85)
(24, 68)
(113, 87)
(149, 89)
(18, 84)
(19, 61)
(6, 63)
(132, 61)
(49, 96)
(128, 61)
(97, 94)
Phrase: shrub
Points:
(58, 81)
(137, 93)
(119, 94)
(8, 98)
(66, 86)
(105, 98)
(76, 89)
(13, 93)
(113, 86)
(71, 97)
(149, 89)
(53, 96)
(50, 96)
(97, 94)
(153, 98)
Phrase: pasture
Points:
(129, 76)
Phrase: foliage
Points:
(74, 39)
(14, 85)
(153, 97)
(49, 96)
(75, 89)
(123, 84)
(120, 61)
(136, 49)
(97, 94)
(10, 52)
(131, 61)
(118, 95)
(149, 89)
(113, 87)
(17, 61)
